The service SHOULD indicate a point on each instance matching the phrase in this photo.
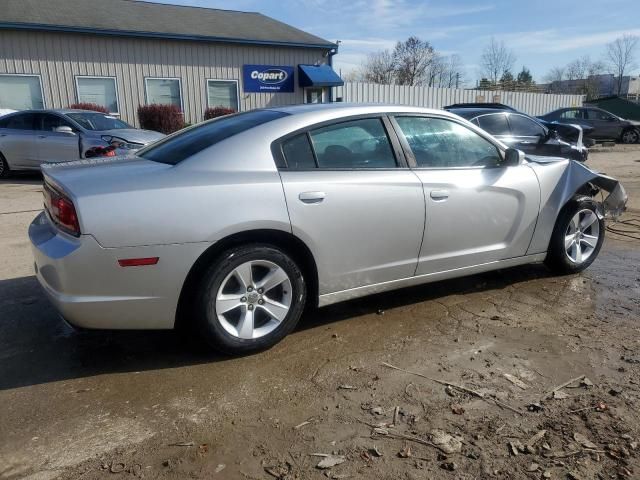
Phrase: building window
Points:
(164, 91)
(99, 90)
(223, 93)
(21, 92)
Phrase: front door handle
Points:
(439, 195)
(312, 197)
(42, 136)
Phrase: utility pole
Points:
(457, 79)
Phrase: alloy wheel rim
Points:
(629, 137)
(253, 299)
(582, 235)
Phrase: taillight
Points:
(61, 210)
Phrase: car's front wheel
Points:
(4, 167)
(630, 135)
(577, 237)
(249, 299)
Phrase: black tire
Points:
(5, 171)
(558, 258)
(206, 319)
(630, 135)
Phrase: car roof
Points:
(476, 112)
(55, 110)
(487, 105)
(345, 108)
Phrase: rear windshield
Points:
(180, 146)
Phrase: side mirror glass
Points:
(64, 129)
(512, 157)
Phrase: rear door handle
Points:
(312, 197)
(42, 136)
(439, 195)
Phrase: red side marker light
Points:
(138, 262)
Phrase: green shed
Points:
(618, 106)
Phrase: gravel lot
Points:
(146, 404)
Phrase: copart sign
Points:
(267, 78)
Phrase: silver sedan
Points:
(232, 226)
(32, 137)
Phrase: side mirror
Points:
(64, 129)
(513, 157)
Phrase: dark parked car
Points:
(606, 125)
(518, 130)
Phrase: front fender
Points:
(560, 180)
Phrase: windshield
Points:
(185, 143)
(98, 121)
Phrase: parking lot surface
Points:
(524, 374)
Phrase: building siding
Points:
(59, 57)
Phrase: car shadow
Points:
(23, 178)
(37, 346)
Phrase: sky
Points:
(542, 34)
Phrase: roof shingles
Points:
(139, 18)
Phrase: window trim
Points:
(409, 153)
(38, 76)
(222, 80)
(115, 84)
(146, 89)
(396, 149)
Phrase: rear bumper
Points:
(91, 290)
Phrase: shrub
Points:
(213, 112)
(161, 118)
(89, 106)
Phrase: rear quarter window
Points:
(186, 143)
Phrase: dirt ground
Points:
(521, 375)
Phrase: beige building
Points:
(125, 53)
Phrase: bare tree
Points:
(621, 56)
(413, 58)
(452, 76)
(556, 74)
(412, 62)
(379, 68)
(496, 59)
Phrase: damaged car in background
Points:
(231, 227)
(519, 130)
(30, 138)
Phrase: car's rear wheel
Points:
(5, 171)
(630, 135)
(249, 299)
(577, 237)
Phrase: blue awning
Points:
(318, 76)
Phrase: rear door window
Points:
(495, 124)
(571, 114)
(298, 153)
(186, 143)
(356, 144)
(24, 121)
(522, 126)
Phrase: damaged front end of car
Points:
(562, 180)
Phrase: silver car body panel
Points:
(487, 215)
(559, 180)
(374, 230)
